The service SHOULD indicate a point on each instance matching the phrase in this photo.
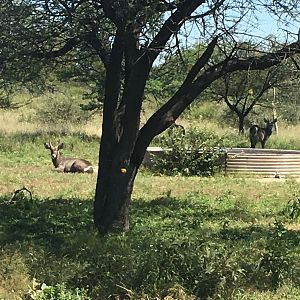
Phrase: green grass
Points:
(190, 238)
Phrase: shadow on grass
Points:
(48, 220)
(171, 240)
(55, 219)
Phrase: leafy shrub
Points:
(293, 209)
(275, 261)
(59, 292)
(195, 152)
(211, 111)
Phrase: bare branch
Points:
(18, 191)
(209, 12)
(295, 63)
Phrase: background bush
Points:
(57, 111)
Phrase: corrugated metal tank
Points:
(263, 162)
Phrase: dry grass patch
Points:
(12, 122)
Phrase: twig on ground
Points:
(16, 192)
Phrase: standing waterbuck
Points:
(66, 164)
(261, 134)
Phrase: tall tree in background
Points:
(129, 37)
(243, 90)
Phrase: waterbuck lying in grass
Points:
(260, 134)
(66, 164)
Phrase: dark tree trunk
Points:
(118, 165)
(114, 189)
(113, 196)
(241, 123)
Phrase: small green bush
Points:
(276, 259)
(60, 292)
(293, 209)
(195, 152)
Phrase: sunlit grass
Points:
(207, 115)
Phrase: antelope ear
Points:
(275, 120)
(47, 145)
(266, 120)
(60, 146)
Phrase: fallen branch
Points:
(16, 192)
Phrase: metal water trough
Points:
(250, 162)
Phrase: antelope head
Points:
(54, 150)
(68, 164)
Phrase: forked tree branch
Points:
(201, 62)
